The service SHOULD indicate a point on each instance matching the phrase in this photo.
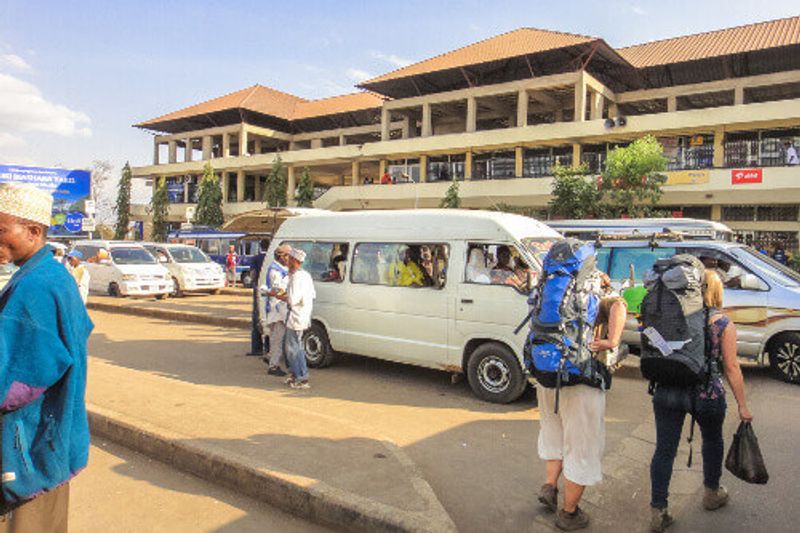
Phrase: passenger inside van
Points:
(503, 271)
(477, 271)
(729, 274)
(405, 272)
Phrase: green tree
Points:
(159, 208)
(123, 206)
(275, 185)
(633, 178)
(574, 194)
(305, 190)
(451, 199)
(209, 200)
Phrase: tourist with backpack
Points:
(687, 344)
(571, 382)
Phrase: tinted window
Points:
(188, 254)
(132, 256)
(642, 260)
(400, 264)
(325, 261)
(603, 259)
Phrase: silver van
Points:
(761, 296)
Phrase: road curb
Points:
(317, 502)
(166, 314)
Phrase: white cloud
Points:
(392, 59)
(23, 108)
(15, 62)
(357, 75)
(638, 10)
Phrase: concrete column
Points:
(186, 189)
(226, 144)
(719, 148)
(738, 96)
(240, 186)
(595, 106)
(672, 104)
(522, 108)
(559, 115)
(188, 155)
(257, 146)
(316, 143)
(224, 183)
(427, 120)
(356, 173)
(716, 212)
(518, 155)
(468, 165)
(381, 169)
(405, 132)
(423, 168)
(576, 155)
(173, 152)
(472, 114)
(580, 98)
(342, 140)
(292, 145)
(291, 186)
(259, 190)
(386, 119)
(156, 150)
(243, 141)
(206, 147)
(613, 109)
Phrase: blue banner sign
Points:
(70, 190)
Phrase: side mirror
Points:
(751, 282)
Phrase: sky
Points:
(75, 75)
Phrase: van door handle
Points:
(466, 301)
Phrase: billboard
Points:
(70, 189)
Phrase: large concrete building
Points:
(501, 112)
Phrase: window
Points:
(446, 168)
(603, 260)
(497, 264)
(89, 252)
(400, 264)
(642, 260)
(325, 261)
(730, 271)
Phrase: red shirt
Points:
(386, 179)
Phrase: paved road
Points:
(479, 458)
(122, 491)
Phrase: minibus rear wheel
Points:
(784, 357)
(494, 373)
(319, 353)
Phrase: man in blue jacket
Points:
(43, 332)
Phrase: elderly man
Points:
(277, 310)
(300, 296)
(79, 273)
(43, 332)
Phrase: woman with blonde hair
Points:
(706, 402)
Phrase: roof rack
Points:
(653, 238)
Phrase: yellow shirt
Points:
(405, 274)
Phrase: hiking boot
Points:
(300, 385)
(660, 519)
(548, 496)
(275, 371)
(571, 521)
(714, 499)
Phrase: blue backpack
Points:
(564, 307)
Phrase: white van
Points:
(191, 269)
(124, 268)
(395, 285)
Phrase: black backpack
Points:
(675, 337)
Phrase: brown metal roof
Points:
(749, 38)
(511, 44)
(337, 104)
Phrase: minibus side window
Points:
(325, 261)
(415, 265)
(497, 264)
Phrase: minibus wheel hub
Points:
(788, 356)
(493, 374)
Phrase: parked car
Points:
(191, 269)
(124, 268)
(761, 296)
(6, 271)
(690, 228)
(437, 314)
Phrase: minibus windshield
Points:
(132, 256)
(188, 255)
(539, 246)
(765, 262)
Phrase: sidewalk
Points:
(226, 310)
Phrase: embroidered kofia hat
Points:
(27, 202)
(298, 254)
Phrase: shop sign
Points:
(687, 177)
(741, 176)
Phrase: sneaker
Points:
(571, 521)
(714, 499)
(548, 496)
(660, 520)
(275, 371)
(300, 385)
(289, 380)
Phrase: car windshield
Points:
(132, 256)
(770, 265)
(187, 254)
(539, 246)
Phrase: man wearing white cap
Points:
(43, 332)
(300, 296)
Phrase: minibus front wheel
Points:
(494, 373)
(317, 346)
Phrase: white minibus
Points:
(438, 288)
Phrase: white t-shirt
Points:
(300, 296)
(278, 309)
(791, 156)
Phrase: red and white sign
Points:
(740, 176)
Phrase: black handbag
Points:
(744, 457)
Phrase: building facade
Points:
(500, 113)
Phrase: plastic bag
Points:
(744, 457)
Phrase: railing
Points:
(755, 153)
(692, 157)
(540, 166)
